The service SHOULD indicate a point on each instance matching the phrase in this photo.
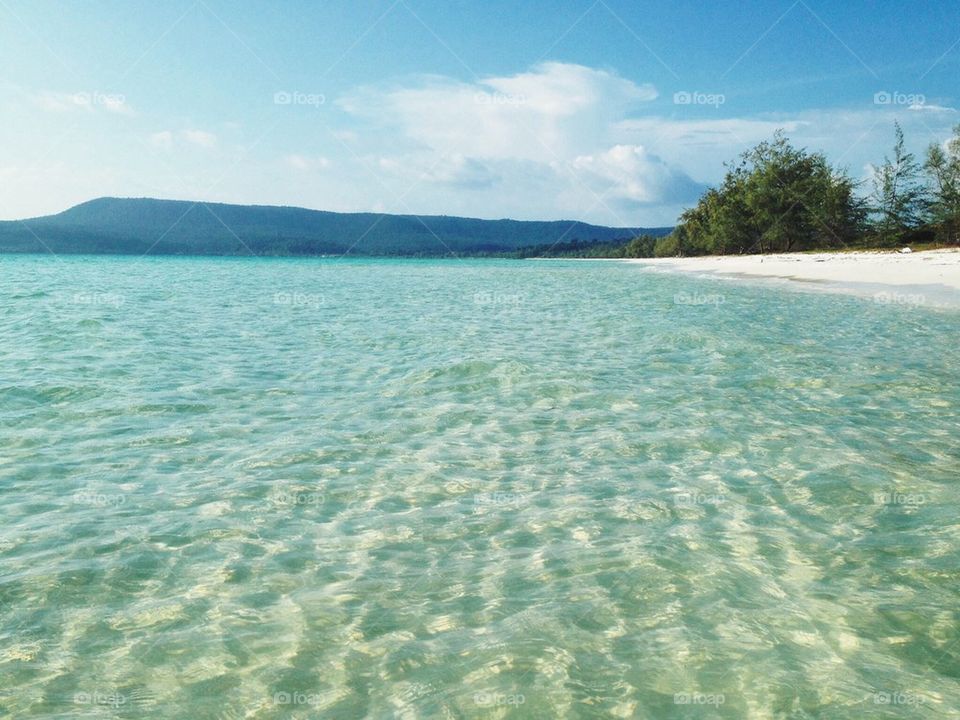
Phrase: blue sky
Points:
(613, 112)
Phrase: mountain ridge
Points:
(111, 225)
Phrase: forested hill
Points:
(172, 227)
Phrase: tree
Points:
(640, 247)
(777, 198)
(943, 173)
(669, 245)
(898, 195)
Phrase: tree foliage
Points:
(943, 181)
(898, 195)
(776, 198)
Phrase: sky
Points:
(617, 113)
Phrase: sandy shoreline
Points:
(933, 275)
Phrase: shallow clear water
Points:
(346, 489)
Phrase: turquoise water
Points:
(347, 489)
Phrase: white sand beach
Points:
(932, 274)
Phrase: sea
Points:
(375, 488)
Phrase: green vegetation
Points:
(943, 174)
(778, 198)
(898, 196)
(640, 246)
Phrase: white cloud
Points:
(302, 162)
(931, 108)
(56, 102)
(200, 138)
(631, 177)
(535, 139)
(557, 89)
(167, 140)
(162, 140)
(462, 172)
(546, 114)
(452, 171)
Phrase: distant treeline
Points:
(641, 246)
(778, 198)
